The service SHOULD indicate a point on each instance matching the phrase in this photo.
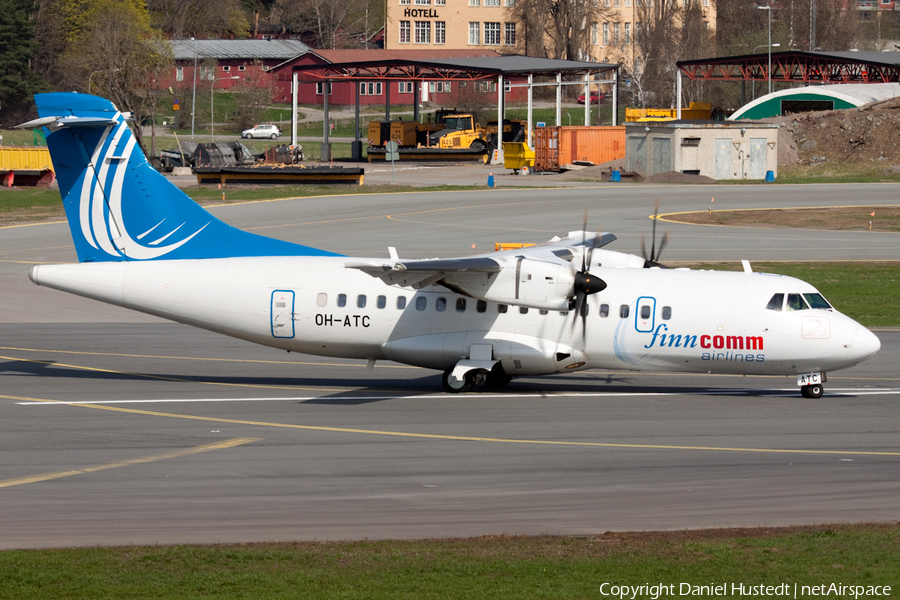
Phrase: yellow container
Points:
(517, 155)
(696, 110)
(14, 158)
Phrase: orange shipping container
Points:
(556, 147)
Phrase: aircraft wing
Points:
(496, 276)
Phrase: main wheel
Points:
(274, 136)
(458, 387)
(249, 136)
(477, 146)
(812, 391)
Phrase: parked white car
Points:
(266, 130)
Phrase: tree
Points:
(112, 51)
(331, 23)
(18, 81)
(657, 46)
(182, 19)
(558, 28)
(252, 95)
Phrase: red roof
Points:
(345, 56)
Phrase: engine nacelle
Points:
(521, 282)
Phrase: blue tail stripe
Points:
(113, 197)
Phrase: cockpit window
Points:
(796, 302)
(817, 301)
(776, 302)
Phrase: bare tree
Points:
(182, 19)
(558, 28)
(252, 94)
(332, 23)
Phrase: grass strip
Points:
(864, 291)
(488, 567)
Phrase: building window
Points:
(226, 69)
(509, 3)
(179, 73)
(440, 32)
(615, 33)
(207, 73)
(404, 32)
(423, 32)
(440, 2)
(371, 88)
(492, 2)
(423, 1)
(242, 68)
(627, 2)
(474, 34)
(606, 34)
(595, 35)
(438, 87)
(474, 2)
(606, 3)
(492, 34)
(320, 85)
(404, 2)
(509, 39)
(617, 3)
(405, 87)
(486, 86)
(627, 33)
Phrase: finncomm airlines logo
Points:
(781, 590)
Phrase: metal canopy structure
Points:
(798, 67)
(452, 69)
(491, 68)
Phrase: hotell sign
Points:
(426, 13)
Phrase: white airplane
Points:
(562, 306)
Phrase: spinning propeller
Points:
(585, 283)
(653, 259)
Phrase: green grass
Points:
(866, 292)
(21, 137)
(27, 198)
(492, 567)
(836, 173)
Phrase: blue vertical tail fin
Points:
(118, 206)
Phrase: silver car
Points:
(266, 130)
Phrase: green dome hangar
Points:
(812, 98)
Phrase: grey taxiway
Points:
(119, 428)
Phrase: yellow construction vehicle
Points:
(460, 131)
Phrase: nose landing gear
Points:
(812, 391)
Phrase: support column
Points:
(558, 99)
(497, 157)
(417, 95)
(678, 93)
(587, 99)
(294, 89)
(356, 145)
(530, 108)
(387, 101)
(326, 145)
(615, 100)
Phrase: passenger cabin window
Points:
(796, 302)
(322, 299)
(342, 300)
(623, 311)
(421, 303)
(544, 312)
(776, 302)
(481, 306)
(501, 308)
(645, 311)
(666, 313)
(361, 301)
(604, 311)
(460, 305)
(401, 302)
(523, 310)
(441, 304)
(817, 301)
(382, 301)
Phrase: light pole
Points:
(770, 66)
(194, 96)
(212, 115)
(769, 9)
(91, 76)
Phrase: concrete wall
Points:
(718, 150)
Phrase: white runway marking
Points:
(730, 392)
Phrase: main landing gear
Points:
(495, 379)
(814, 390)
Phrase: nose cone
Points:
(865, 344)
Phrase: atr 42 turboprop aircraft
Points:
(565, 305)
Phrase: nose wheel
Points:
(812, 391)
